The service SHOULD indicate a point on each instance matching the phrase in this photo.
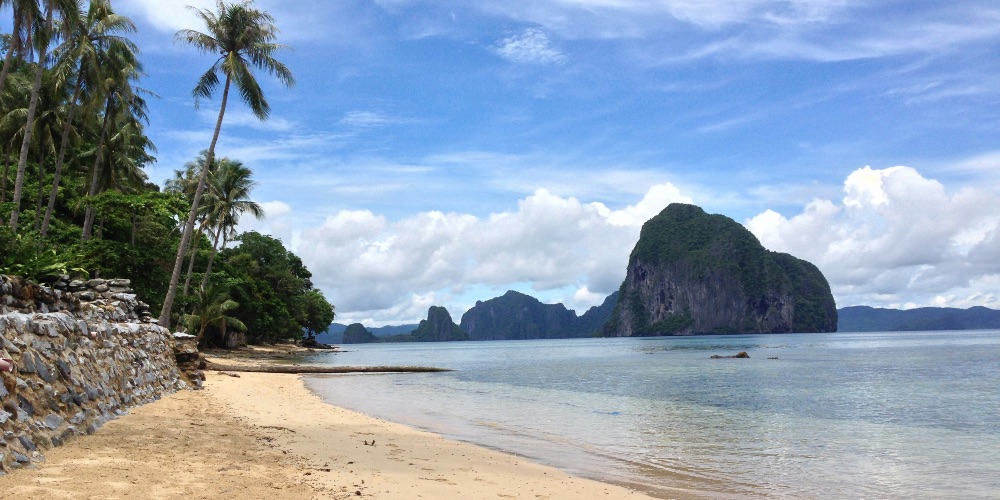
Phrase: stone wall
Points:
(82, 353)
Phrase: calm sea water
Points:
(846, 415)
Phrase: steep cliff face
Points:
(438, 327)
(516, 316)
(815, 309)
(592, 322)
(692, 272)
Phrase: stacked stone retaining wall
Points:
(83, 352)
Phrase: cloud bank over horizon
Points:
(896, 239)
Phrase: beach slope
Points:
(259, 434)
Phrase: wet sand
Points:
(259, 434)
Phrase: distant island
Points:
(871, 319)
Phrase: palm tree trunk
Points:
(6, 174)
(41, 187)
(211, 257)
(29, 125)
(168, 301)
(192, 252)
(88, 220)
(57, 175)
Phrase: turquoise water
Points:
(846, 415)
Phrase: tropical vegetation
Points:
(75, 198)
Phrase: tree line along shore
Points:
(76, 201)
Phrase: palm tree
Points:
(231, 184)
(245, 38)
(121, 102)
(185, 182)
(25, 13)
(94, 39)
(43, 37)
(14, 105)
(210, 309)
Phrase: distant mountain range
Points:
(518, 316)
(870, 319)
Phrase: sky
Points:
(440, 152)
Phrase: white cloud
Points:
(530, 47)
(897, 239)
(171, 15)
(372, 267)
(368, 119)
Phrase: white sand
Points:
(266, 435)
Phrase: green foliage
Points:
(815, 309)
(707, 242)
(318, 313)
(274, 290)
(81, 181)
(211, 307)
(29, 255)
(671, 325)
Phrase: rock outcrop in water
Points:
(692, 272)
(438, 327)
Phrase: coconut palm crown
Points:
(245, 38)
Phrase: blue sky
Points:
(441, 152)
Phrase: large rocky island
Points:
(516, 316)
(693, 272)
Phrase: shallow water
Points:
(846, 415)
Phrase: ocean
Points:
(843, 415)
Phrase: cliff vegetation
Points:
(693, 272)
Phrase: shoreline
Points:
(264, 434)
(400, 461)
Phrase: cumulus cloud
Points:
(384, 271)
(171, 15)
(896, 239)
(530, 47)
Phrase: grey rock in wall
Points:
(80, 359)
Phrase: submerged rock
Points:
(739, 355)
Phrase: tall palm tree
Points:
(121, 102)
(186, 182)
(245, 38)
(45, 35)
(231, 184)
(13, 106)
(95, 38)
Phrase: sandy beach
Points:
(250, 435)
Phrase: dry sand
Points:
(265, 435)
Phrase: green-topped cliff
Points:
(438, 327)
(516, 316)
(693, 272)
